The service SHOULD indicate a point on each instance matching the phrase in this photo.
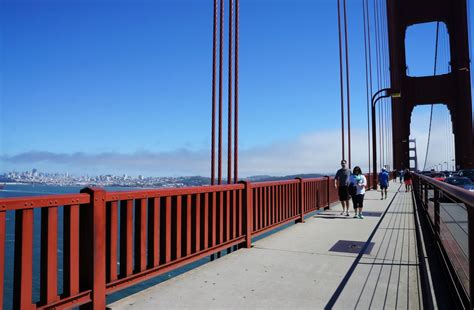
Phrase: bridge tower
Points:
(452, 89)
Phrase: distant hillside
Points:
(199, 181)
(266, 178)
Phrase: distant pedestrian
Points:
(400, 174)
(360, 182)
(341, 182)
(383, 182)
(407, 178)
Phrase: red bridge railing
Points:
(112, 240)
(449, 211)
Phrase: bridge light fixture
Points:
(383, 93)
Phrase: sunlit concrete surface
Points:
(294, 269)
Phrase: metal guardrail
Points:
(450, 212)
(112, 240)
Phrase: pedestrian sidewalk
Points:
(309, 266)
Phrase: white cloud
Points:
(309, 153)
(314, 152)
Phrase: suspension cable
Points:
(379, 86)
(229, 97)
(370, 64)
(236, 93)
(341, 78)
(347, 88)
(221, 64)
(431, 109)
(213, 117)
(387, 84)
(367, 81)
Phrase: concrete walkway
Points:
(295, 269)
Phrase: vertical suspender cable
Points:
(385, 80)
(370, 65)
(382, 65)
(389, 107)
(341, 78)
(366, 82)
(221, 46)
(236, 92)
(213, 139)
(377, 61)
(382, 82)
(431, 110)
(229, 98)
(347, 89)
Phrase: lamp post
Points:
(447, 168)
(387, 92)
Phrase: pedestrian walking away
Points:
(407, 178)
(341, 182)
(400, 174)
(383, 182)
(359, 181)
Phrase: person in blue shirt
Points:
(383, 182)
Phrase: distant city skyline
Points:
(125, 87)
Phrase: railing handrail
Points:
(463, 195)
(161, 192)
(273, 183)
(45, 201)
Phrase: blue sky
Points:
(125, 86)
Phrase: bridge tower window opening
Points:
(440, 148)
(427, 49)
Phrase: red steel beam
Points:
(188, 224)
(140, 194)
(45, 201)
(206, 221)
(112, 236)
(126, 237)
(198, 223)
(71, 250)
(22, 282)
(179, 214)
(140, 234)
(49, 258)
(2, 252)
(154, 232)
(168, 230)
(93, 242)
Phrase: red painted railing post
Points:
(436, 210)
(22, 270)
(3, 215)
(248, 218)
(327, 193)
(92, 249)
(302, 200)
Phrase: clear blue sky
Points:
(125, 86)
